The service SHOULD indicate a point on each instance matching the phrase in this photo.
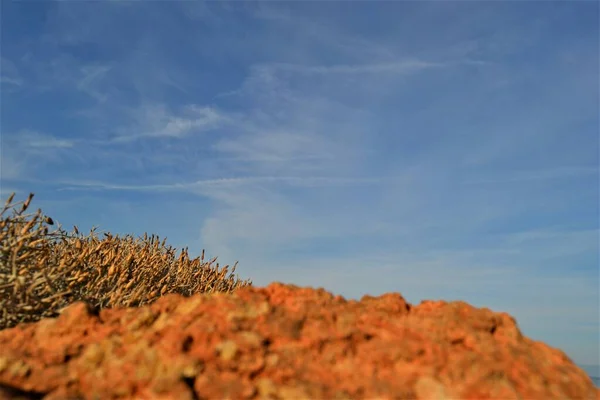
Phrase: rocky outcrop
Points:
(285, 342)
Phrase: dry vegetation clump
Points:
(42, 272)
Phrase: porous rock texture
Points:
(287, 342)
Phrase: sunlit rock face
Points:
(287, 342)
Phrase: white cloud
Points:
(322, 33)
(207, 186)
(11, 81)
(26, 150)
(153, 121)
(397, 67)
(9, 74)
(92, 81)
(273, 146)
(553, 243)
(11, 166)
(32, 140)
(566, 172)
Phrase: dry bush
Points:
(42, 272)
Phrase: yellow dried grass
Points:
(42, 272)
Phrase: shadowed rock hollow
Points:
(284, 342)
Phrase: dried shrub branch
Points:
(41, 272)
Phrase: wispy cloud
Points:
(92, 78)
(25, 150)
(9, 74)
(157, 121)
(35, 141)
(567, 172)
(11, 81)
(399, 67)
(230, 182)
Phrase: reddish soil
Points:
(284, 342)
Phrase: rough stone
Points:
(287, 342)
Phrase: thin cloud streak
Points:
(290, 180)
(567, 172)
(9, 74)
(11, 81)
(31, 140)
(156, 122)
(400, 67)
(92, 77)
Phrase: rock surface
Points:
(283, 341)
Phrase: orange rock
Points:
(286, 342)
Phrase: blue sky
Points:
(443, 150)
